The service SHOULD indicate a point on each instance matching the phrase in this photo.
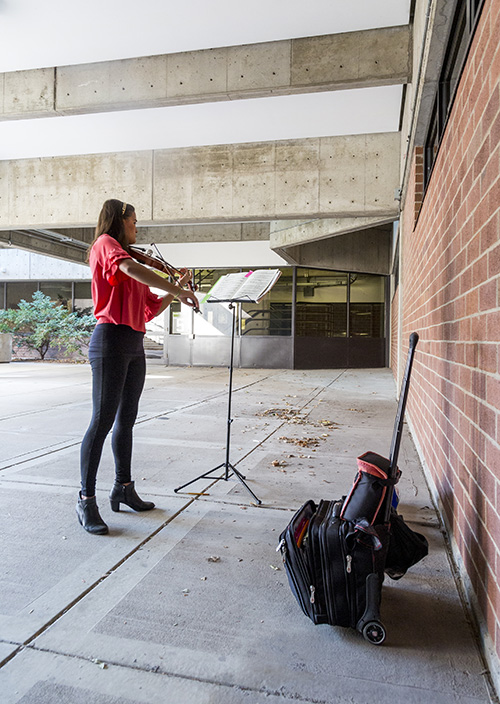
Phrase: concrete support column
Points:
(5, 347)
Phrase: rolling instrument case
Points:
(335, 553)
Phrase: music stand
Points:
(231, 289)
(229, 469)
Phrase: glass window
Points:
(431, 147)
(213, 319)
(16, 291)
(367, 288)
(83, 298)
(83, 289)
(58, 291)
(457, 49)
(366, 309)
(175, 318)
(476, 7)
(321, 307)
(273, 314)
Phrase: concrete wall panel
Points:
(258, 67)
(212, 197)
(251, 194)
(63, 191)
(297, 177)
(313, 62)
(253, 231)
(384, 54)
(195, 73)
(373, 57)
(327, 176)
(212, 186)
(28, 93)
(111, 85)
(6, 168)
(380, 171)
(360, 174)
(173, 185)
(254, 179)
(342, 173)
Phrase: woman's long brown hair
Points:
(110, 221)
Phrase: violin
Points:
(159, 262)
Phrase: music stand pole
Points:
(229, 468)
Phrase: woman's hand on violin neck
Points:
(188, 298)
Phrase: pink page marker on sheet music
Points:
(247, 275)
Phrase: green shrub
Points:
(41, 323)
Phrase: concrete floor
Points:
(190, 603)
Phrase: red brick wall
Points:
(451, 297)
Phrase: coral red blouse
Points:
(118, 298)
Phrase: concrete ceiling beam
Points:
(288, 233)
(327, 177)
(32, 242)
(368, 58)
(81, 235)
(217, 232)
(366, 251)
(181, 234)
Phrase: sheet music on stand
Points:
(249, 286)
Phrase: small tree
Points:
(42, 323)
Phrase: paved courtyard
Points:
(190, 603)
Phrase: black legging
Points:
(117, 383)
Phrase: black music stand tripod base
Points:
(229, 468)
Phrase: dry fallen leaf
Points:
(301, 442)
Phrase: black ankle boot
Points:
(126, 494)
(88, 515)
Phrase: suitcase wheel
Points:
(374, 632)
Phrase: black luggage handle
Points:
(398, 425)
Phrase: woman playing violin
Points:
(123, 303)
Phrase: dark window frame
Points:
(463, 27)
